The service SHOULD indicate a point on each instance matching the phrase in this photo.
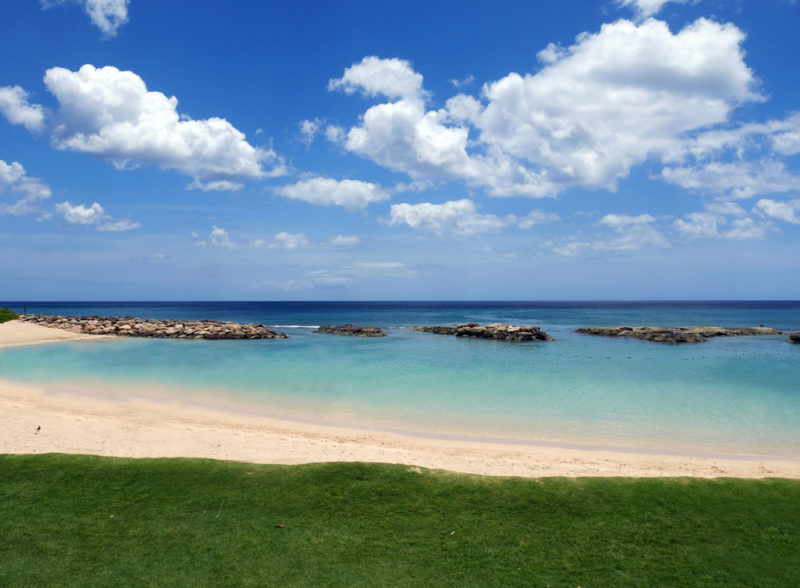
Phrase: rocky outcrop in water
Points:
(351, 331)
(494, 331)
(795, 337)
(676, 335)
(154, 328)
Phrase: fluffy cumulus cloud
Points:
(94, 215)
(634, 232)
(351, 194)
(110, 114)
(613, 100)
(106, 15)
(459, 217)
(616, 98)
(427, 145)
(393, 78)
(25, 192)
(14, 105)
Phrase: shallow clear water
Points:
(729, 395)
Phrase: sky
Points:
(376, 150)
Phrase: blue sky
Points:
(620, 149)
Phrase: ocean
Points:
(728, 396)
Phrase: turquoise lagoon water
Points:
(737, 395)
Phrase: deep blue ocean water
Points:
(736, 395)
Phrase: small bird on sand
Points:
(39, 428)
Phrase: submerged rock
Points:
(351, 331)
(494, 331)
(676, 335)
(154, 328)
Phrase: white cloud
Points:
(699, 225)
(335, 134)
(746, 228)
(219, 186)
(785, 134)
(80, 214)
(458, 217)
(713, 223)
(467, 81)
(788, 211)
(94, 215)
(309, 130)
(284, 240)
(620, 221)
(222, 238)
(738, 179)
(616, 98)
(219, 237)
(647, 8)
(613, 100)
(110, 114)
(636, 232)
(14, 180)
(107, 15)
(351, 194)
(726, 208)
(15, 107)
(373, 76)
(344, 240)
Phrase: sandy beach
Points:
(16, 333)
(38, 419)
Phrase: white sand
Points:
(15, 333)
(72, 422)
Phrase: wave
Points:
(294, 326)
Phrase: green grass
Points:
(91, 521)
(7, 314)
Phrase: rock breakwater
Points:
(795, 337)
(676, 335)
(154, 328)
(494, 331)
(351, 331)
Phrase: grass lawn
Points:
(83, 521)
(7, 315)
